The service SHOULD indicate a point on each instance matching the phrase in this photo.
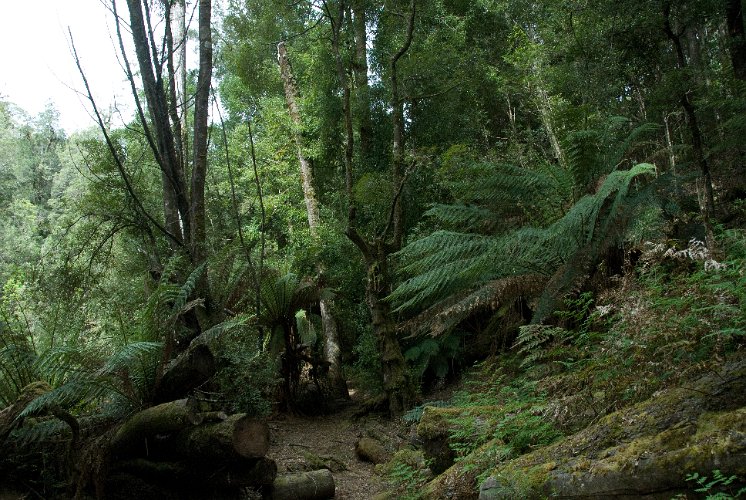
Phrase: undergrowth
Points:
(678, 315)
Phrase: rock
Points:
(646, 449)
(489, 489)
(371, 450)
(646, 465)
(436, 427)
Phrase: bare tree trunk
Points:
(199, 168)
(174, 184)
(181, 71)
(332, 350)
(198, 245)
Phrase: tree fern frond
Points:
(238, 321)
(186, 290)
(131, 355)
(78, 390)
(444, 264)
(464, 217)
(447, 314)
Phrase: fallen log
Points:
(254, 472)
(189, 370)
(314, 485)
(238, 436)
(131, 439)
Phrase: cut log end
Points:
(251, 437)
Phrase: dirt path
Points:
(304, 443)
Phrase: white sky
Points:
(36, 65)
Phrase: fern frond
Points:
(532, 340)
(447, 314)
(210, 335)
(131, 355)
(186, 290)
(444, 264)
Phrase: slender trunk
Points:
(306, 174)
(669, 144)
(174, 184)
(397, 118)
(360, 67)
(181, 70)
(708, 204)
(198, 245)
(737, 37)
(332, 350)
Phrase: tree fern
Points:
(451, 272)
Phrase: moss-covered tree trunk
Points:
(376, 250)
(396, 380)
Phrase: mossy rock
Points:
(649, 465)
(645, 449)
(437, 426)
(371, 450)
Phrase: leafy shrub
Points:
(248, 377)
(366, 370)
(719, 487)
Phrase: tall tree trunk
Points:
(708, 204)
(197, 217)
(201, 102)
(396, 381)
(181, 71)
(397, 118)
(737, 42)
(174, 184)
(362, 89)
(332, 350)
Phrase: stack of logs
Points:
(174, 450)
(175, 447)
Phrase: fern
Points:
(451, 271)
(533, 339)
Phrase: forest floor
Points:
(302, 443)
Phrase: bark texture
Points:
(314, 485)
(131, 439)
(332, 350)
(236, 437)
(188, 371)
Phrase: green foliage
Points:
(366, 370)
(719, 487)
(437, 354)
(407, 473)
(247, 377)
